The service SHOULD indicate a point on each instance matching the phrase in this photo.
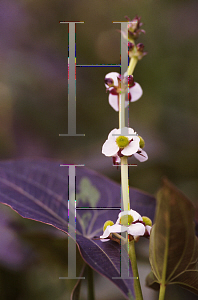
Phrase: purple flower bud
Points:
(134, 27)
(130, 46)
(140, 47)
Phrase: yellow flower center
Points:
(107, 223)
(147, 221)
(126, 220)
(142, 142)
(122, 141)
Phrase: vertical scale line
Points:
(71, 79)
(71, 222)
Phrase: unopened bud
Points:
(130, 46)
(134, 28)
(140, 47)
(140, 51)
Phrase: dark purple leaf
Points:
(104, 257)
(38, 190)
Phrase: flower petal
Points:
(141, 155)
(112, 229)
(136, 229)
(148, 229)
(136, 92)
(136, 216)
(132, 133)
(127, 131)
(114, 101)
(110, 148)
(113, 133)
(132, 147)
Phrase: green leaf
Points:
(151, 281)
(173, 245)
(188, 280)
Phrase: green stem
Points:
(125, 183)
(90, 278)
(132, 256)
(132, 64)
(124, 161)
(162, 291)
(163, 283)
(124, 240)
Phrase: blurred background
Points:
(33, 88)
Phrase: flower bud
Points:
(130, 46)
(140, 47)
(134, 28)
(140, 51)
(134, 24)
(107, 223)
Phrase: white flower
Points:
(136, 225)
(121, 145)
(141, 155)
(115, 84)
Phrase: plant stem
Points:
(162, 291)
(90, 278)
(124, 161)
(125, 183)
(132, 65)
(163, 283)
(137, 286)
(124, 240)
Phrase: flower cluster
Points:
(130, 222)
(125, 142)
(134, 29)
(131, 35)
